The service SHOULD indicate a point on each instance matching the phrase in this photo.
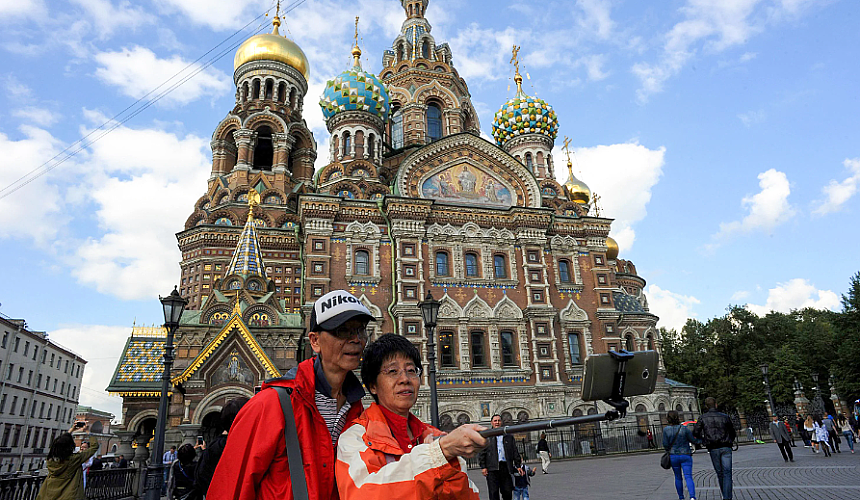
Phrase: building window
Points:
(573, 341)
(564, 271)
(508, 358)
(537, 296)
(5, 339)
(628, 342)
(9, 370)
(409, 249)
(532, 256)
(318, 268)
(546, 372)
(529, 162)
(471, 265)
(434, 122)
(319, 246)
(26, 348)
(14, 405)
(601, 279)
(598, 260)
(397, 129)
(609, 328)
(362, 262)
(478, 358)
(410, 292)
(411, 328)
(442, 264)
(446, 349)
(409, 271)
(500, 266)
(543, 350)
(604, 299)
(20, 374)
(347, 144)
(542, 328)
(536, 276)
(650, 343)
(17, 343)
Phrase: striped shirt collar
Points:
(351, 389)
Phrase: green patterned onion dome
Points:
(355, 89)
(524, 115)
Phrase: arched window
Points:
(264, 151)
(347, 144)
(575, 353)
(442, 268)
(425, 50)
(445, 423)
(282, 92)
(245, 92)
(661, 407)
(477, 345)
(641, 409)
(446, 349)
(522, 417)
(507, 419)
(650, 342)
(564, 271)
(434, 122)
(500, 266)
(256, 90)
(628, 342)
(508, 358)
(397, 129)
(577, 412)
(371, 146)
(471, 265)
(270, 89)
(362, 262)
(529, 162)
(463, 419)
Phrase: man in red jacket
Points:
(326, 398)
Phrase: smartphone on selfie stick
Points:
(609, 378)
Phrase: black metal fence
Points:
(601, 439)
(108, 484)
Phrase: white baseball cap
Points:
(336, 308)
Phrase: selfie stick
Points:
(616, 401)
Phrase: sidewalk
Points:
(759, 472)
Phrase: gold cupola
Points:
(273, 47)
(577, 190)
(611, 248)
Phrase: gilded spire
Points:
(277, 20)
(566, 149)
(518, 79)
(356, 52)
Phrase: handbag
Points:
(665, 460)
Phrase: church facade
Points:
(411, 200)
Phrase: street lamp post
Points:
(173, 306)
(430, 312)
(818, 405)
(763, 367)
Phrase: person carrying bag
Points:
(679, 454)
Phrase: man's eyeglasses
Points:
(344, 332)
(394, 373)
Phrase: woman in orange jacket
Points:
(388, 454)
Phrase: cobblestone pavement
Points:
(759, 473)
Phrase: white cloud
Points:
(484, 53)
(673, 308)
(21, 8)
(739, 296)
(767, 209)
(751, 118)
(128, 259)
(622, 197)
(594, 66)
(748, 56)
(35, 211)
(37, 116)
(597, 17)
(107, 17)
(838, 193)
(138, 71)
(710, 26)
(100, 346)
(16, 90)
(797, 293)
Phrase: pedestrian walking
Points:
(522, 480)
(677, 439)
(167, 459)
(849, 437)
(801, 430)
(497, 463)
(809, 427)
(543, 451)
(716, 431)
(325, 397)
(781, 437)
(790, 433)
(212, 453)
(832, 435)
(821, 437)
(180, 483)
(650, 436)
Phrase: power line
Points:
(44, 168)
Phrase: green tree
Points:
(847, 343)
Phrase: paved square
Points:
(758, 473)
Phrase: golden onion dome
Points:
(611, 249)
(273, 47)
(577, 190)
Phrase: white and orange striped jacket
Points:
(371, 465)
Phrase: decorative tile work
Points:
(141, 361)
(355, 90)
(524, 115)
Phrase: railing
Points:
(110, 484)
(20, 487)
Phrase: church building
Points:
(411, 200)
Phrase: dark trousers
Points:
(500, 481)
(785, 449)
(834, 441)
(721, 458)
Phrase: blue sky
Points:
(721, 135)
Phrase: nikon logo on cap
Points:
(336, 308)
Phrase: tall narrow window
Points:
(264, 150)
(564, 271)
(362, 262)
(500, 266)
(434, 122)
(371, 146)
(529, 162)
(478, 358)
(442, 264)
(270, 89)
(347, 144)
(508, 358)
(573, 340)
(471, 265)
(397, 129)
(628, 342)
(650, 342)
(425, 50)
(446, 349)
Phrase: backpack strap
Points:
(294, 452)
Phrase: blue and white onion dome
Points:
(523, 114)
(355, 90)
